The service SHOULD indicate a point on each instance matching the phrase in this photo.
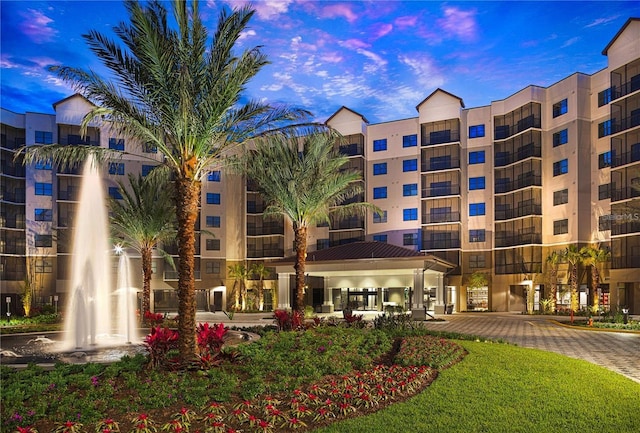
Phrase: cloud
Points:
(265, 9)
(248, 34)
(354, 44)
(423, 68)
(36, 26)
(339, 10)
(6, 62)
(459, 23)
(379, 30)
(378, 61)
(570, 42)
(600, 21)
(406, 21)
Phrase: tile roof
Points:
(361, 250)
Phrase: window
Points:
(377, 218)
(410, 239)
(380, 238)
(43, 214)
(114, 192)
(440, 162)
(560, 137)
(379, 168)
(604, 97)
(146, 169)
(116, 143)
(476, 131)
(43, 165)
(380, 145)
(604, 128)
(560, 197)
(322, 244)
(116, 168)
(409, 189)
(410, 140)
(43, 189)
(149, 148)
(476, 183)
(561, 227)
(476, 157)
(410, 214)
(213, 198)
(214, 176)
(477, 235)
(604, 222)
(43, 241)
(604, 159)
(212, 267)
(441, 188)
(410, 165)
(604, 191)
(44, 266)
(213, 221)
(559, 108)
(44, 137)
(477, 261)
(213, 244)
(476, 209)
(560, 167)
(380, 192)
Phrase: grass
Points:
(501, 388)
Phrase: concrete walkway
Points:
(617, 351)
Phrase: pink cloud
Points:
(355, 44)
(380, 29)
(459, 23)
(35, 26)
(339, 10)
(405, 22)
(332, 57)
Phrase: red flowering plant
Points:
(210, 341)
(153, 319)
(289, 321)
(68, 427)
(159, 342)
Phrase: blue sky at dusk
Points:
(379, 58)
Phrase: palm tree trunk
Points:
(146, 280)
(188, 197)
(574, 288)
(554, 289)
(260, 295)
(595, 279)
(301, 258)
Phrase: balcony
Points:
(519, 211)
(440, 217)
(617, 92)
(440, 163)
(173, 275)
(530, 150)
(352, 149)
(70, 194)
(624, 193)
(626, 123)
(264, 230)
(440, 191)
(254, 253)
(16, 196)
(12, 222)
(524, 180)
(509, 240)
(630, 226)
(349, 223)
(345, 241)
(502, 132)
(627, 157)
(12, 144)
(626, 262)
(75, 170)
(12, 170)
(440, 137)
(519, 268)
(440, 244)
(72, 139)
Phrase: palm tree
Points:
(572, 256)
(143, 218)
(553, 260)
(260, 271)
(239, 273)
(594, 257)
(311, 183)
(169, 89)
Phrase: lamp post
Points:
(55, 300)
(8, 299)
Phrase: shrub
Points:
(159, 343)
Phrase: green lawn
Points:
(503, 388)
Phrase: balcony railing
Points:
(626, 123)
(12, 223)
(173, 275)
(440, 191)
(12, 170)
(625, 262)
(352, 149)
(265, 252)
(524, 152)
(431, 165)
(519, 211)
(447, 217)
(70, 194)
(440, 244)
(505, 131)
(347, 223)
(524, 181)
(344, 241)
(624, 193)
(617, 92)
(504, 240)
(440, 137)
(267, 229)
(12, 144)
(628, 227)
(626, 157)
(75, 139)
(16, 196)
(519, 268)
(75, 171)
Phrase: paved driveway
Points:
(616, 351)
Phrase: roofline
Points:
(617, 35)
(443, 91)
(348, 109)
(71, 97)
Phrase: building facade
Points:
(492, 189)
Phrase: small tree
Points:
(239, 273)
(477, 280)
(259, 271)
(553, 261)
(572, 256)
(595, 257)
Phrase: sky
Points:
(378, 58)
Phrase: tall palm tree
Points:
(143, 218)
(572, 256)
(239, 273)
(594, 257)
(169, 89)
(310, 183)
(553, 260)
(260, 271)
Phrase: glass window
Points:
(604, 222)
(410, 140)
(44, 266)
(560, 167)
(322, 244)
(212, 267)
(560, 197)
(114, 192)
(43, 241)
(477, 261)
(561, 227)
(380, 192)
(476, 209)
(146, 169)
(380, 145)
(476, 157)
(410, 165)
(604, 129)
(116, 168)
(213, 221)
(214, 176)
(213, 198)
(410, 214)
(377, 218)
(477, 235)
(604, 191)
(476, 131)
(116, 143)
(409, 189)
(43, 214)
(149, 148)
(560, 108)
(379, 168)
(476, 183)
(604, 159)
(44, 137)
(410, 239)
(43, 188)
(213, 245)
(43, 165)
(560, 137)
(380, 238)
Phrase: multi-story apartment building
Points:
(492, 189)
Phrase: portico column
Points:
(327, 304)
(439, 308)
(417, 301)
(284, 299)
